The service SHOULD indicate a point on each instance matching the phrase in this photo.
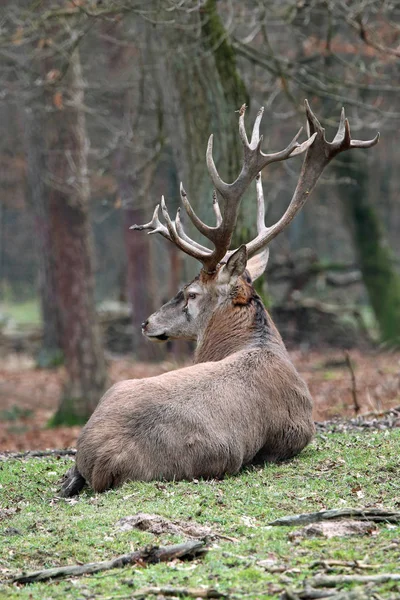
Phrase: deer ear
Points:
(257, 265)
(235, 266)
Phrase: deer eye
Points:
(192, 295)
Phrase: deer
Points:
(242, 402)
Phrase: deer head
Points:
(225, 273)
(189, 311)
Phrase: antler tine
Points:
(261, 227)
(343, 129)
(182, 244)
(155, 225)
(219, 185)
(318, 156)
(342, 140)
(209, 232)
(181, 232)
(217, 210)
(313, 125)
(171, 233)
(242, 128)
(292, 149)
(260, 205)
(255, 136)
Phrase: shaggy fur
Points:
(242, 401)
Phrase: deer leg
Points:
(73, 484)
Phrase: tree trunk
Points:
(37, 195)
(201, 96)
(140, 282)
(376, 259)
(139, 268)
(73, 251)
(233, 91)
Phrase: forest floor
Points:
(247, 556)
(29, 396)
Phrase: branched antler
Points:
(319, 154)
(317, 158)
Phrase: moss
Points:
(68, 413)
(49, 358)
(215, 39)
(380, 277)
(375, 257)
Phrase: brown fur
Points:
(243, 401)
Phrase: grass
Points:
(14, 413)
(351, 469)
(23, 313)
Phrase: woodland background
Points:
(106, 105)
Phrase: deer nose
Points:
(145, 323)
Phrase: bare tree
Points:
(339, 53)
(37, 194)
(73, 252)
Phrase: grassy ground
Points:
(23, 313)
(356, 468)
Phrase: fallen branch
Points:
(363, 514)
(335, 580)
(38, 453)
(290, 595)
(380, 413)
(180, 592)
(350, 564)
(312, 594)
(149, 555)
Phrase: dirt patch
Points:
(159, 525)
(29, 397)
(331, 529)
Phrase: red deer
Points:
(243, 400)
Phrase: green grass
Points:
(23, 313)
(14, 413)
(337, 470)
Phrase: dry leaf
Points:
(58, 100)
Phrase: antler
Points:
(319, 154)
(254, 160)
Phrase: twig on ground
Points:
(313, 594)
(38, 453)
(350, 366)
(310, 593)
(381, 413)
(290, 595)
(152, 554)
(352, 564)
(363, 514)
(334, 580)
(179, 591)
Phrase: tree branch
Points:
(149, 555)
(363, 514)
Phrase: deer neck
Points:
(235, 328)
